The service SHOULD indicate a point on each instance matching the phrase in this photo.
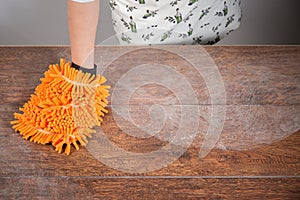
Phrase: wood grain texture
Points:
(257, 155)
(149, 188)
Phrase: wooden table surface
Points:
(256, 156)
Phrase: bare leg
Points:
(83, 21)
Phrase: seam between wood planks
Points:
(159, 177)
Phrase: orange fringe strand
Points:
(64, 108)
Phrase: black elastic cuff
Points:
(85, 70)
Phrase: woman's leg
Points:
(83, 20)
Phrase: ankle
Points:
(85, 70)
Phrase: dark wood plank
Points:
(247, 127)
(257, 154)
(20, 157)
(251, 75)
(149, 188)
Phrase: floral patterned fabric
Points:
(139, 22)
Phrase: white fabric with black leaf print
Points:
(139, 22)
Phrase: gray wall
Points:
(44, 22)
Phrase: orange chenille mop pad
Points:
(64, 108)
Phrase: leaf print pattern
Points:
(130, 8)
(112, 4)
(174, 21)
(174, 3)
(150, 14)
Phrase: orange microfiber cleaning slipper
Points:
(64, 108)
